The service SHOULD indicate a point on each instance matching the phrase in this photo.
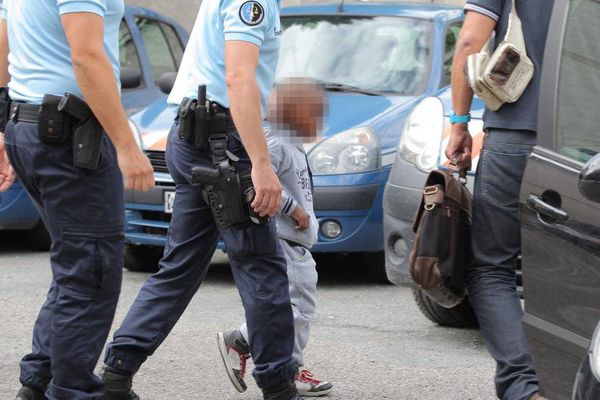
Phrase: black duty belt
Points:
(23, 112)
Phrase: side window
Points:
(450, 46)
(174, 42)
(128, 54)
(159, 54)
(578, 119)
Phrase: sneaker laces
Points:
(306, 376)
(243, 359)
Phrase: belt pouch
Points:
(53, 126)
(4, 108)
(187, 121)
(202, 128)
(87, 144)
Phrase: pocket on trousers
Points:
(501, 177)
(251, 239)
(78, 266)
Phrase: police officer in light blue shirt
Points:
(233, 50)
(71, 157)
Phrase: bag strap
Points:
(514, 31)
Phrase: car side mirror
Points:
(589, 179)
(130, 78)
(167, 81)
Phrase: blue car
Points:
(375, 61)
(151, 48)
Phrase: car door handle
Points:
(537, 204)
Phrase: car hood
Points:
(346, 111)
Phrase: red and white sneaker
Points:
(309, 386)
(235, 352)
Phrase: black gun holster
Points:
(228, 193)
(69, 117)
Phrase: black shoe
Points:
(285, 391)
(29, 393)
(235, 352)
(117, 386)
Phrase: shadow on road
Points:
(14, 242)
(334, 270)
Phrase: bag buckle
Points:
(429, 190)
(429, 206)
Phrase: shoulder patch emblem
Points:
(252, 13)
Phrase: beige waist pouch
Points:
(502, 76)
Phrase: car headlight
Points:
(355, 150)
(136, 133)
(422, 134)
(595, 353)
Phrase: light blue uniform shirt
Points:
(256, 22)
(40, 56)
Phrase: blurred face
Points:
(300, 107)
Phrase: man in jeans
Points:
(510, 137)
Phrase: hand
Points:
(136, 169)
(302, 218)
(7, 174)
(459, 147)
(268, 190)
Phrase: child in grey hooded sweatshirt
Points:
(295, 114)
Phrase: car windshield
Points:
(372, 54)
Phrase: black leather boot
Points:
(29, 393)
(285, 391)
(117, 385)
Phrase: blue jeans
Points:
(257, 264)
(83, 211)
(496, 240)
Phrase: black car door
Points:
(560, 228)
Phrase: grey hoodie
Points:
(290, 164)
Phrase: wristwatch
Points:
(459, 119)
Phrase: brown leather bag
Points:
(442, 249)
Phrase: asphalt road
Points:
(369, 339)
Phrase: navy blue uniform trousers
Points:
(257, 263)
(83, 211)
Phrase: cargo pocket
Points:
(251, 240)
(77, 266)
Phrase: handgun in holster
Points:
(87, 132)
(69, 117)
(228, 193)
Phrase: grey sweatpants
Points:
(302, 275)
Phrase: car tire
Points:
(39, 238)
(142, 258)
(461, 316)
(375, 263)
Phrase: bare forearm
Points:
(244, 102)
(476, 30)
(462, 94)
(96, 79)
(4, 50)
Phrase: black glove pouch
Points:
(54, 126)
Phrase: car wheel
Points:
(142, 258)
(461, 316)
(375, 263)
(39, 237)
